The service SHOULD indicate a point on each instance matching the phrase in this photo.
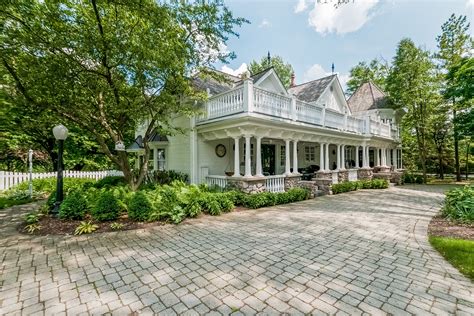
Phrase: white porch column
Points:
(376, 157)
(365, 156)
(395, 158)
(287, 157)
(384, 152)
(236, 157)
(258, 159)
(155, 159)
(321, 157)
(248, 162)
(357, 156)
(338, 157)
(295, 157)
(343, 157)
(326, 160)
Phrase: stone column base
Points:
(323, 175)
(248, 185)
(291, 181)
(324, 185)
(364, 173)
(342, 176)
(383, 169)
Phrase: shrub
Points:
(269, 199)
(162, 177)
(48, 185)
(107, 207)
(139, 207)
(256, 200)
(74, 206)
(210, 203)
(110, 181)
(32, 228)
(412, 178)
(32, 218)
(356, 185)
(51, 200)
(298, 194)
(116, 226)
(459, 204)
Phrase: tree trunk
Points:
(440, 160)
(467, 159)
(456, 147)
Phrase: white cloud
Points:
(237, 72)
(326, 18)
(301, 6)
(264, 24)
(470, 3)
(317, 71)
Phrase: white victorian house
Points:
(255, 134)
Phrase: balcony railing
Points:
(248, 99)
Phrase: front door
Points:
(268, 159)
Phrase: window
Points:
(161, 159)
(282, 155)
(150, 160)
(310, 153)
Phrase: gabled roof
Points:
(256, 77)
(312, 90)
(154, 137)
(214, 85)
(368, 97)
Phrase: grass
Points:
(458, 252)
(5, 202)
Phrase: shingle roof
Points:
(312, 90)
(154, 137)
(215, 86)
(367, 97)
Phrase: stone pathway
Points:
(354, 253)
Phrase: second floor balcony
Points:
(247, 99)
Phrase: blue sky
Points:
(311, 36)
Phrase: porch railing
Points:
(270, 103)
(275, 183)
(227, 103)
(247, 98)
(219, 181)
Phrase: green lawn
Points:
(459, 252)
(5, 202)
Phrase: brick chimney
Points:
(292, 83)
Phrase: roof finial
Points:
(332, 67)
(269, 59)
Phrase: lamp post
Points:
(60, 133)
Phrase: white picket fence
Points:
(10, 179)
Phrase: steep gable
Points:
(269, 80)
(367, 97)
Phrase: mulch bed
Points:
(54, 226)
(442, 227)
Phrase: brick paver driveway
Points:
(359, 252)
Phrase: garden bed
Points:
(443, 227)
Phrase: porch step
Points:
(318, 193)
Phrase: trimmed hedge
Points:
(139, 207)
(357, 185)
(107, 207)
(269, 199)
(74, 206)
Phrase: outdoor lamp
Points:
(60, 133)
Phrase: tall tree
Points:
(108, 66)
(412, 85)
(375, 71)
(283, 69)
(454, 43)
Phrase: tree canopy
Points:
(283, 69)
(375, 71)
(106, 66)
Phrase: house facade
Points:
(254, 134)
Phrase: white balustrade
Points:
(352, 175)
(219, 181)
(10, 179)
(267, 102)
(334, 119)
(274, 104)
(275, 183)
(308, 113)
(227, 103)
(355, 124)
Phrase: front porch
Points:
(275, 161)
